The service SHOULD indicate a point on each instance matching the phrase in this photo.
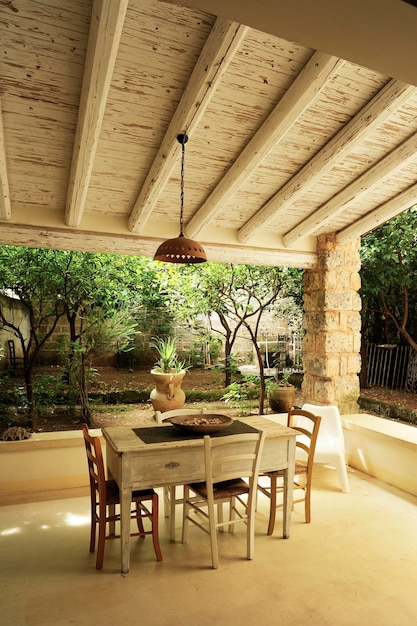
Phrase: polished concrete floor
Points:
(355, 564)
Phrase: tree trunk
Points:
(85, 407)
(30, 398)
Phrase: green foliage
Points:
(204, 350)
(238, 295)
(14, 394)
(388, 276)
(239, 394)
(98, 294)
(48, 389)
(281, 379)
(7, 421)
(168, 361)
(105, 332)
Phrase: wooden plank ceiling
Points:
(285, 141)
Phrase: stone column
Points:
(331, 348)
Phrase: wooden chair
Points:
(226, 460)
(15, 362)
(308, 426)
(104, 498)
(170, 493)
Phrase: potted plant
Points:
(167, 372)
(281, 393)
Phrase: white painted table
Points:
(135, 464)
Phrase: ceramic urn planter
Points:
(282, 399)
(167, 394)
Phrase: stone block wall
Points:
(332, 322)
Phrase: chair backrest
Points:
(308, 425)
(14, 360)
(163, 416)
(12, 351)
(331, 431)
(232, 457)
(95, 465)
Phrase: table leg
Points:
(288, 488)
(125, 503)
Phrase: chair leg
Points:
(139, 520)
(172, 501)
(101, 536)
(166, 501)
(308, 503)
(342, 475)
(273, 506)
(250, 511)
(112, 523)
(220, 515)
(213, 537)
(155, 528)
(93, 527)
(186, 510)
(232, 516)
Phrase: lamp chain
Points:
(183, 142)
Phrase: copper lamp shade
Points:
(181, 249)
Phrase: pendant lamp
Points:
(181, 249)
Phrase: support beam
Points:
(395, 161)
(5, 208)
(390, 98)
(382, 214)
(360, 31)
(112, 241)
(218, 51)
(308, 84)
(107, 20)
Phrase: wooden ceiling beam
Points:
(402, 202)
(388, 166)
(56, 238)
(308, 84)
(5, 208)
(375, 112)
(107, 19)
(221, 45)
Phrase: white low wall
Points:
(382, 448)
(52, 465)
(43, 466)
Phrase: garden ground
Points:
(109, 379)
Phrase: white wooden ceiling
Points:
(286, 140)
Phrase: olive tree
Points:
(97, 294)
(238, 295)
(35, 278)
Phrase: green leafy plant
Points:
(168, 361)
(280, 380)
(48, 390)
(239, 394)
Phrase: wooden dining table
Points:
(160, 455)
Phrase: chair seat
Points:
(224, 489)
(300, 468)
(113, 494)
